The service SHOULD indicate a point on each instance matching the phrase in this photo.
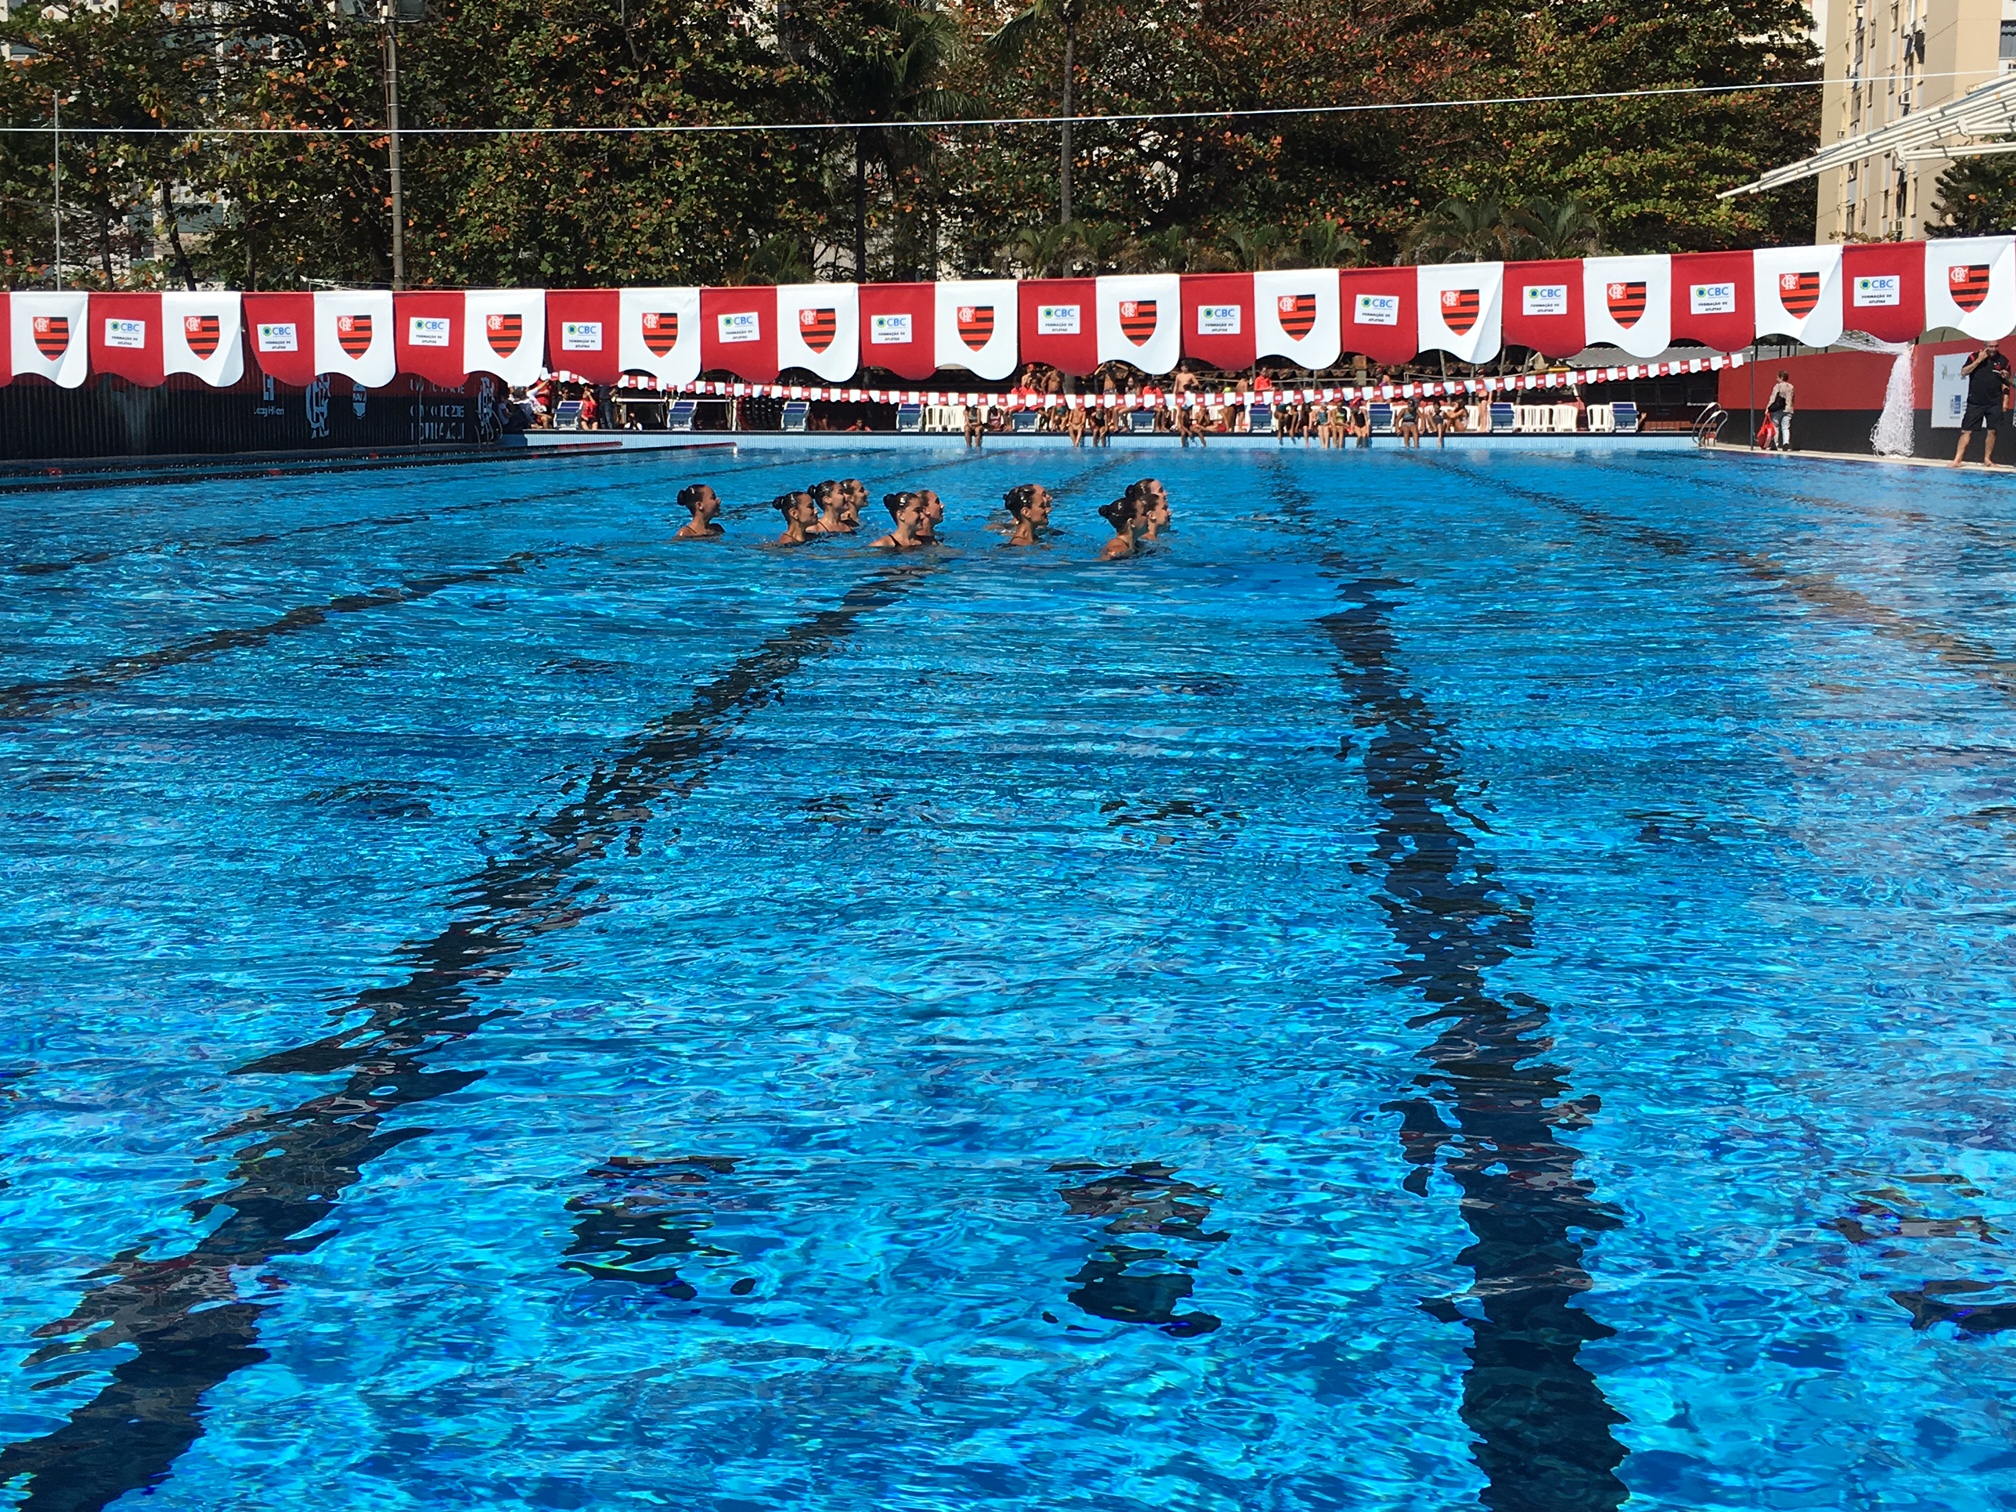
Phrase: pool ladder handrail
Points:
(1708, 429)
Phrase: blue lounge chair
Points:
(1023, 422)
(1627, 417)
(1260, 419)
(567, 415)
(680, 416)
(795, 414)
(1141, 422)
(910, 418)
(1504, 416)
(1381, 416)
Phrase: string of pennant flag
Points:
(665, 338)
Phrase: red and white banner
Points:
(353, 336)
(1798, 292)
(282, 328)
(659, 333)
(1543, 307)
(1295, 316)
(1458, 309)
(1060, 323)
(1218, 324)
(1141, 320)
(48, 337)
(1714, 299)
(503, 332)
(427, 335)
(1379, 312)
(581, 332)
(1970, 286)
(899, 326)
(819, 329)
(978, 322)
(125, 331)
(1627, 302)
(203, 333)
(1883, 289)
(738, 332)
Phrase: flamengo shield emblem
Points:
(1626, 302)
(202, 333)
(504, 332)
(817, 328)
(1297, 313)
(1968, 284)
(976, 325)
(1459, 309)
(1799, 293)
(353, 334)
(1137, 320)
(52, 335)
(661, 332)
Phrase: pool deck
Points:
(1723, 448)
(604, 442)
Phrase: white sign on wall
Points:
(1949, 391)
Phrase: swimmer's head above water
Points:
(703, 504)
(799, 514)
(1028, 505)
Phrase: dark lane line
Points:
(25, 699)
(1977, 659)
(1489, 1112)
(183, 1315)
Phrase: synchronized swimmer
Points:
(833, 507)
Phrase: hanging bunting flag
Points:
(1543, 307)
(503, 332)
(1378, 317)
(125, 337)
(1140, 320)
(1218, 326)
(1714, 299)
(1295, 316)
(1798, 293)
(202, 333)
(49, 336)
(1059, 324)
(1970, 286)
(819, 329)
(282, 331)
(1458, 309)
(660, 333)
(427, 336)
(738, 331)
(581, 333)
(899, 328)
(1627, 303)
(1883, 289)
(976, 321)
(353, 336)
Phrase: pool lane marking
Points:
(1543, 1425)
(1976, 659)
(183, 1316)
(27, 699)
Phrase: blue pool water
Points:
(1457, 979)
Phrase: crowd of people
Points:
(833, 508)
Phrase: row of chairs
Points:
(1502, 418)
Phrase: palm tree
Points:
(1252, 248)
(1166, 251)
(877, 61)
(1325, 244)
(1040, 250)
(1460, 231)
(1103, 242)
(1555, 228)
(1008, 43)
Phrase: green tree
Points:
(1009, 43)
(1977, 197)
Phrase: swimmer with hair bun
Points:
(1151, 506)
(704, 504)
(853, 499)
(905, 509)
(1122, 516)
(799, 515)
(831, 497)
(930, 515)
(1028, 505)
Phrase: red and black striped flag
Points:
(1626, 302)
(976, 325)
(353, 334)
(52, 335)
(661, 331)
(202, 333)
(1459, 309)
(817, 328)
(1799, 293)
(1297, 313)
(504, 332)
(1968, 284)
(1137, 320)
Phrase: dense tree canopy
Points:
(886, 197)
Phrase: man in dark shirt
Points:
(1987, 375)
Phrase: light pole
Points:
(56, 173)
(389, 11)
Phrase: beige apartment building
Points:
(1886, 60)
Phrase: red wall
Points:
(1832, 380)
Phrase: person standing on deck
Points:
(1779, 408)
(1987, 375)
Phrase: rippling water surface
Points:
(1454, 979)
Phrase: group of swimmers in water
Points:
(833, 508)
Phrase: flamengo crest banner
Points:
(1458, 308)
(1295, 316)
(1140, 320)
(49, 337)
(1970, 285)
(1627, 302)
(203, 333)
(976, 320)
(660, 333)
(1798, 292)
(353, 336)
(504, 332)
(819, 329)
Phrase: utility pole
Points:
(56, 165)
(389, 10)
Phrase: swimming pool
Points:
(1457, 977)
